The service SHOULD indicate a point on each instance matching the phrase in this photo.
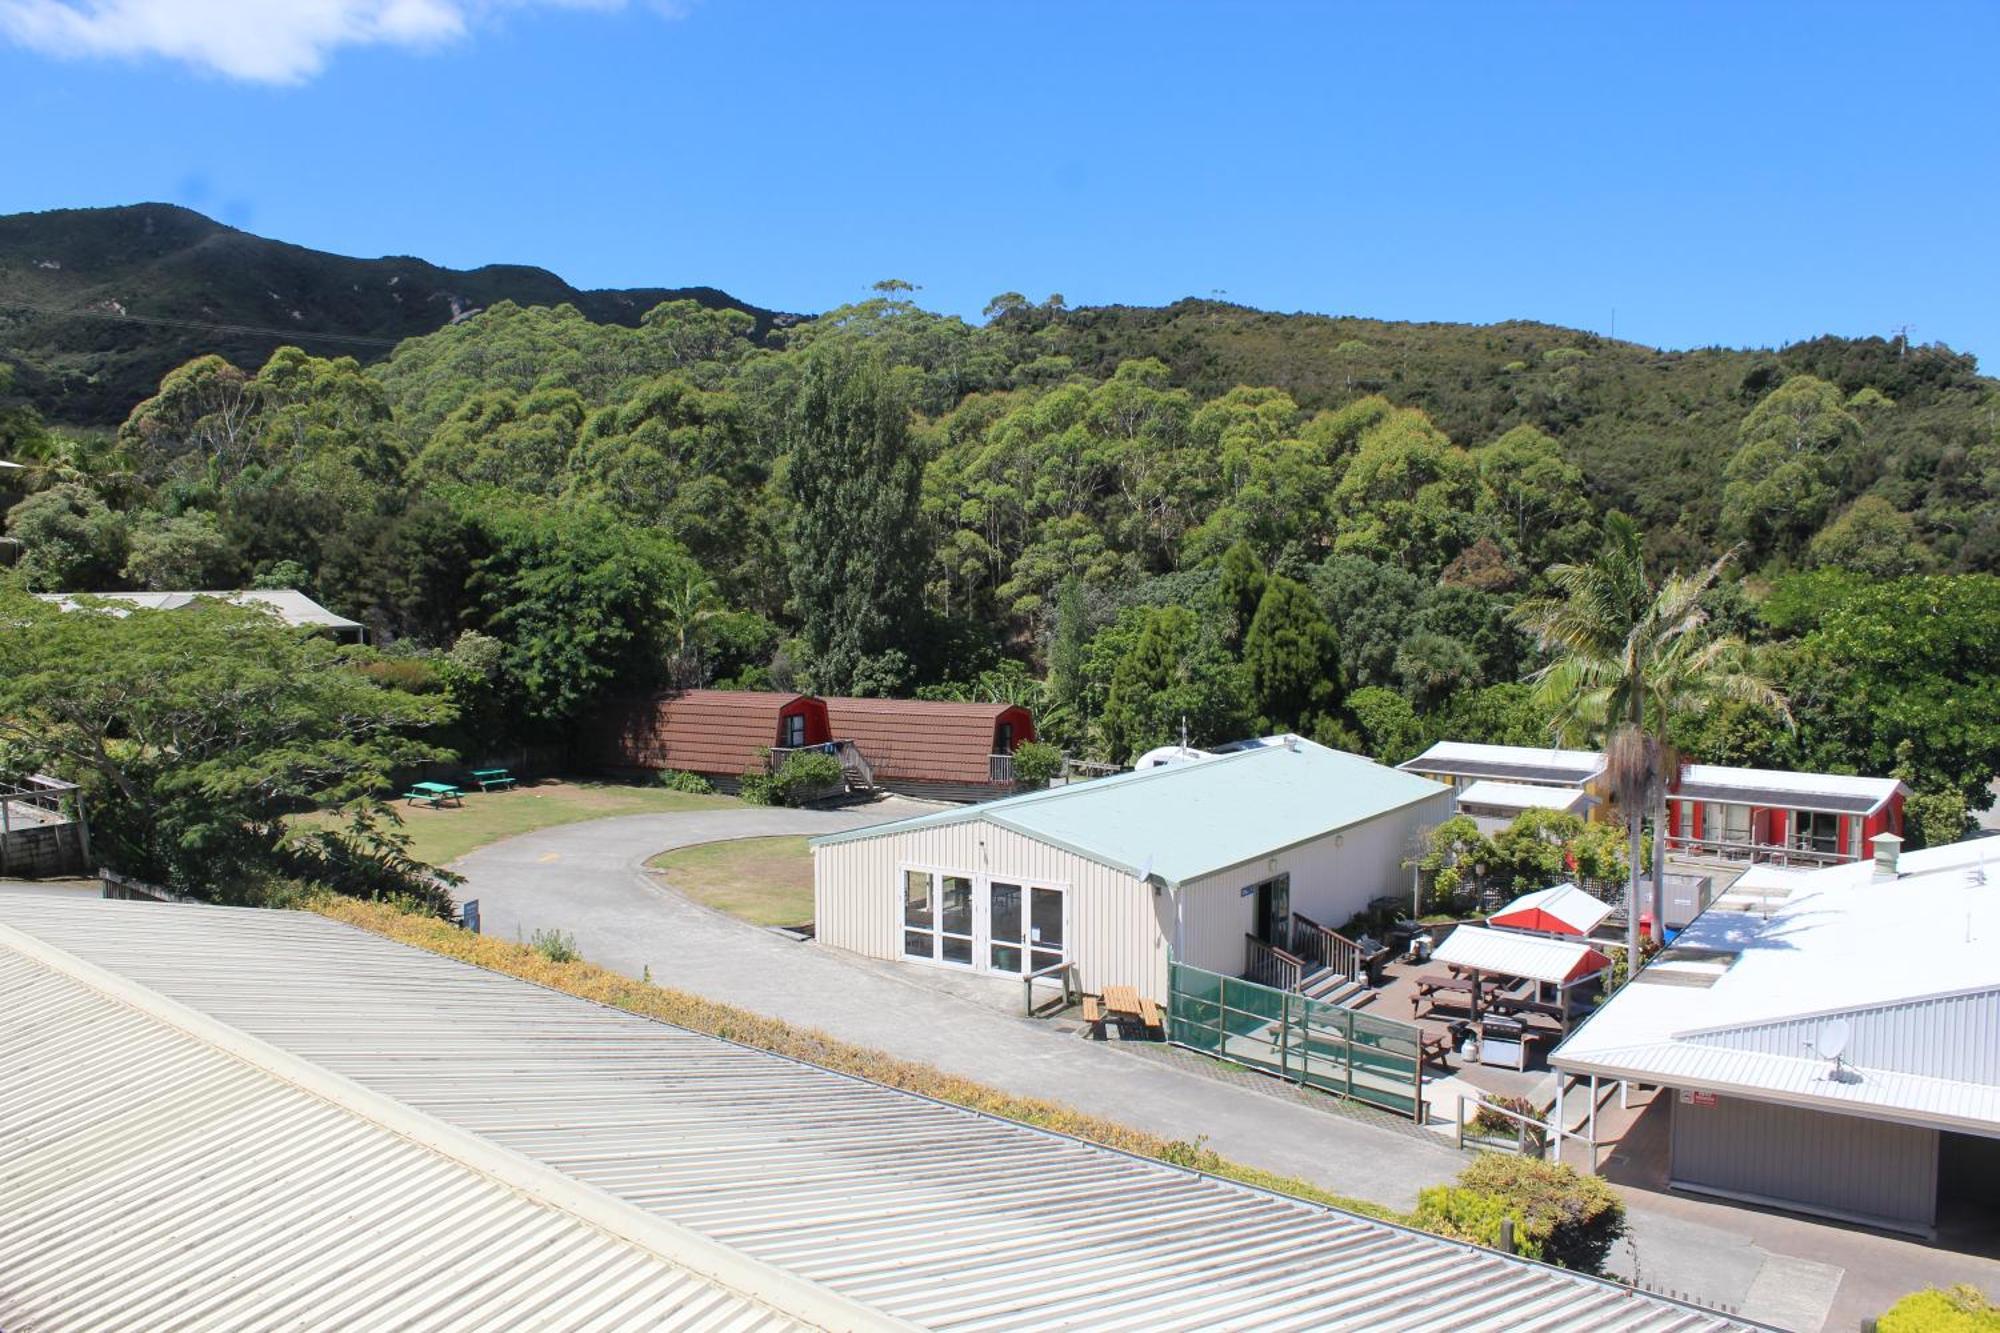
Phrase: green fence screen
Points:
(1374, 1060)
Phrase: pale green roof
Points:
(1191, 819)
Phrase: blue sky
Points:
(1744, 174)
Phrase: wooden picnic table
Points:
(1125, 1001)
(433, 794)
(491, 778)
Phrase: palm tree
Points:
(1630, 656)
(686, 606)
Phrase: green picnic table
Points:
(492, 779)
(433, 794)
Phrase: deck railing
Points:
(852, 762)
(1320, 947)
(1000, 768)
(1774, 853)
(1269, 965)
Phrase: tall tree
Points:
(1293, 659)
(856, 553)
(1241, 591)
(1630, 656)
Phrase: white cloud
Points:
(263, 41)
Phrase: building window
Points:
(1003, 738)
(1725, 823)
(1815, 831)
(937, 916)
(794, 731)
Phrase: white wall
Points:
(1333, 877)
(1116, 927)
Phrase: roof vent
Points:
(1292, 744)
(1888, 850)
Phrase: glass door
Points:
(1046, 928)
(1006, 928)
(937, 917)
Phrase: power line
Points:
(248, 330)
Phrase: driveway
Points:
(589, 880)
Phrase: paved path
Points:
(589, 879)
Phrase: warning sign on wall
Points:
(1695, 1097)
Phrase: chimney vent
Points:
(1888, 849)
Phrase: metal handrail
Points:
(847, 752)
(1269, 965)
(1000, 767)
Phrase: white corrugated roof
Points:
(293, 607)
(1524, 796)
(1441, 756)
(1565, 902)
(1536, 957)
(1719, 777)
(1910, 963)
(919, 1211)
(157, 1179)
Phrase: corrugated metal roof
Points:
(1523, 796)
(1524, 762)
(153, 1180)
(1535, 957)
(1188, 820)
(923, 740)
(1907, 962)
(925, 1212)
(1839, 793)
(721, 732)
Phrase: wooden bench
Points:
(1149, 1013)
(1093, 1015)
(493, 779)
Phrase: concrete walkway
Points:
(589, 880)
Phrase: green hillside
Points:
(167, 263)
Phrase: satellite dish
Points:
(1832, 1038)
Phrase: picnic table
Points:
(433, 794)
(493, 779)
(1124, 1002)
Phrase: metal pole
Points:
(1350, 1053)
(1460, 1125)
(83, 831)
(1559, 1121)
(6, 833)
(1593, 1116)
(1623, 1088)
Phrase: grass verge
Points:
(765, 881)
(591, 982)
(440, 836)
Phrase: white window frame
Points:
(982, 924)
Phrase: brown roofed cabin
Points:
(945, 751)
(720, 734)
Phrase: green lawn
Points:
(765, 881)
(440, 836)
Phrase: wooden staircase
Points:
(1320, 964)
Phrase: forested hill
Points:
(169, 263)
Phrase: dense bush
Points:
(1962, 1309)
(806, 775)
(1035, 762)
(757, 787)
(679, 779)
(1571, 1219)
(1472, 1215)
(555, 945)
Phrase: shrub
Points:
(806, 775)
(555, 945)
(1571, 1219)
(1472, 1215)
(1961, 1309)
(1035, 762)
(1492, 1123)
(757, 787)
(679, 779)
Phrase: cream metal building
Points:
(1117, 874)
